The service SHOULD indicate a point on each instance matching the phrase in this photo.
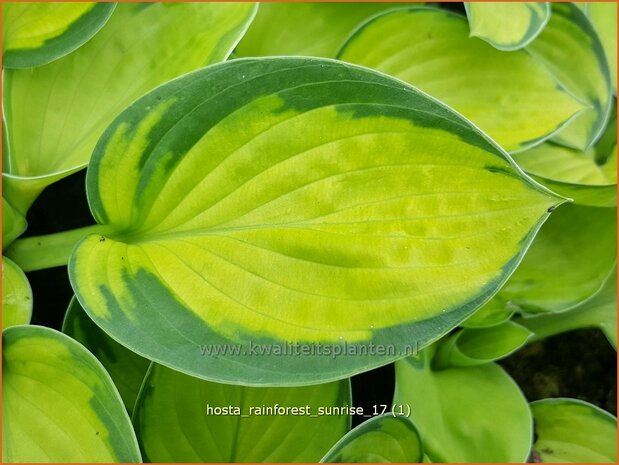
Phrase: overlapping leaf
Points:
(127, 369)
(13, 224)
(36, 33)
(603, 15)
(507, 26)
(598, 312)
(569, 261)
(456, 411)
(383, 439)
(572, 173)
(511, 96)
(58, 403)
(179, 419)
(477, 346)
(16, 295)
(288, 200)
(55, 114)
(310, 29)
(571, 49)
(573, 431)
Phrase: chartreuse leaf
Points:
(572, 173)
(56, 113)
(311, 29)
(13, 224)
(573, 431)
(603, 15)
(456, 411)
(476, 346)
(36, 33)
(493, 313)
(58, 403)
(569, 261)
(610, 167)
(511, 96)
(507, 26)
(16, 295)
(127, 369)
(180, 418)
(571, 48)
(382, 439)
(598, 312)
(295, 200)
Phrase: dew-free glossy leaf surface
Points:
(572, 173)
(16, 295)
(383, 439)
(56, 113)
(305, 28)
(603, 15)
(510, 96)
(13, 224)
(507, 26)
(570, 47)
(174, 423)
(476, 346)
(295, 200)
(569, 261)
(36, 33)
(473, 414)
(598, 312)
(58, 403)
(573, 431)
(492, 313)
(127, 369)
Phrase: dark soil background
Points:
(579, 364)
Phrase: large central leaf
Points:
(295, 200)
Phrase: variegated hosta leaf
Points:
(603, 15)
(571, 173)
(56, 113)
(511, 96)
(507, 26)
(598, 312)
(127, 369)
(179, 418)
(465, 415)
(16, 295)
(305, 28)
(573, 431)
(58, 403)
(295, 200)
(36, 33)
(13, 224)
(571, 48)
(477, 346)
(569, 261)
(383, 439)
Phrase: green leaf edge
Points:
(78, 33)
(450, 355)
(529, 37)
(144, 387)
(598, 49)
(29, 187)
(413, 331)
(360, 430)
(49, 332)
(526, 145)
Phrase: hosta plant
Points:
(283, 196)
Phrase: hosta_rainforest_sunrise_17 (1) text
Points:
(309, 232)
